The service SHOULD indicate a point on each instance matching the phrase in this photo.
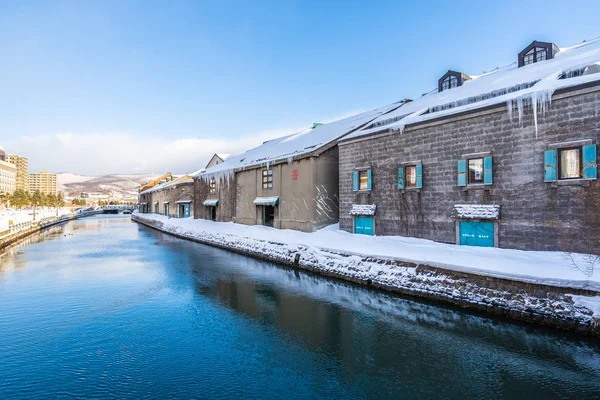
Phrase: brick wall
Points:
(534, 214)
(225, 194)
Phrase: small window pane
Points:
(476, 170)
(570, 164)
(267, 179)
(530, 52)
(410, 173)
(363, 180)
(528, 59)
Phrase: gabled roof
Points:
(177, 180)
(509, 85)
(298, 144)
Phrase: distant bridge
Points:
(116, 209)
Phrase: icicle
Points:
(509, 105)
(534, 105)
(290, 160)
(520, 110)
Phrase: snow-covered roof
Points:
(223, 156)
(177, 180)
(211, 202)
(532, 84)
(301, 143)
(363, 209)
(476, 211)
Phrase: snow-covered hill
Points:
(113, 185)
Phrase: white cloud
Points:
(107, 153)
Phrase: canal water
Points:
(104, 307)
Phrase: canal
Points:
(104, 307)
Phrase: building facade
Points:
(287, 183)
(8, 174)
(22, 165)
(173, 198)
(481, 175)
(43, 181)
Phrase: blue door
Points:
(363, 225)
(186, 210)
(476, 233)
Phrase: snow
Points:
(363, 209)
(266, 201)
(21, 216)
(477, 211)
(298, 144)
(531, 85)
(587, 302)
(541, 267)
(183, 201)
(211, 202)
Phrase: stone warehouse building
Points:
(288, 183)
(507, 158)
(172, 197)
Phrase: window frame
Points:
(212, 186)
(559, 164)
(481, 182)
(266, 183)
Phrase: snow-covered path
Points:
(20, 216)
(549, 268)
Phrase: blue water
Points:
(106, 308)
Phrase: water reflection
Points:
(103, 306)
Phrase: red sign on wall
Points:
(295, 175)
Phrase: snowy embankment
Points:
(531, 286)
(20, 216)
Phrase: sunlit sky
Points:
(148, 86)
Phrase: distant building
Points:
(173, 198)
(22, 165)
(45, 182)
(8, 174)
(217, 159)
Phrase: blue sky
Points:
(189, 78)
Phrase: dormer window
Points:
(536, 52)
(452, 79)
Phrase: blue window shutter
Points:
(550, 165)
(462, 173)
(355, 181)
(487, 170)
(401, 178)
(590, 167)
(369, 180)
(419, 176)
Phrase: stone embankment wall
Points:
(542, 304)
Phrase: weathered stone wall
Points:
(534, 214)
(181, 192)
(225, 194)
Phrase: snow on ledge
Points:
(551, 268)
(266, 201)
(211, 202)
(363, 209)
(476, 211)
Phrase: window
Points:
(212, 186)
(363, 180)
(570, 163)
(535, 55)
(475, 170)
(411, 175)
(267, 179)
(450, 82)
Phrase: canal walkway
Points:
(547, 290)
